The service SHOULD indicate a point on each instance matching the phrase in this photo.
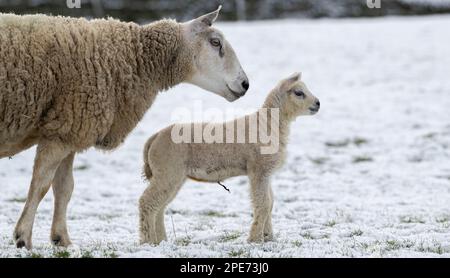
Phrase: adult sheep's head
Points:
(215, 65)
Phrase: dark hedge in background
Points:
(147, 10)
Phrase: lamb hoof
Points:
(268, 237)
(259, 239)
(21, 242)
(60, 241)
(150, 242)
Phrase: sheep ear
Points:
(201, 23)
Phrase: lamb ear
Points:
(205, 21)
(294, 77)
(286, 83)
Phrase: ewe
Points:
(167, 164)
(68, 84)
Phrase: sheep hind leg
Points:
(48, 158)
(151, 210)
(62, 191)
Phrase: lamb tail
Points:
(147, 171)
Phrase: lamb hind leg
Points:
(48, 158)
(151, 209)
(160, 226)
(62, 191)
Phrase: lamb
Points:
(68, 84)
(168, 163)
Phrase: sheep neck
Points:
(164, 61)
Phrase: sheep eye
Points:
(299, 93)
(215, 42)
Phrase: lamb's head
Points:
(297, 100)
(215, 66)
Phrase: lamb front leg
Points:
(260, 194)
(48, 158)
(62, 190)
(268, 232)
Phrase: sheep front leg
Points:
(48, 157)
(62, 191)
(260, 194)
(268, 232)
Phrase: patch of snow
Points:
(368, 176)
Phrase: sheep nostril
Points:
(318, 103)
(245, 85)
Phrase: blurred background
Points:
(147, 10)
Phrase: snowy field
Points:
(368, 176)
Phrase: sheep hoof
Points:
(268, 237)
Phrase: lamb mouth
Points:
(236, 94)
(314, 110)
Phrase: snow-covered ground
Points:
(369, 175)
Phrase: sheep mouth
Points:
(236, 94)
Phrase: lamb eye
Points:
(215, 42)
(299, 93)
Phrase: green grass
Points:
(213, 213)
(297, 243)
(307, 235)
(229, 236)
(86, 254)
(239, 253)
(61, 254)
(184, 241)
(17, 200)
(290, 199)
(436, 248)
(443, 219)
(358, 141)
(360, 159)
(392, 245)
(411, 219)
(357, 232)
(109, 254)
(81, 168)
(318, 160)
(35, 255)
(331, 223)
(337, 144)
(430, 135)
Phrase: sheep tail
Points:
(147, 171)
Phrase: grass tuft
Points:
(229, 236)
(61, 254)
(360, 159)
